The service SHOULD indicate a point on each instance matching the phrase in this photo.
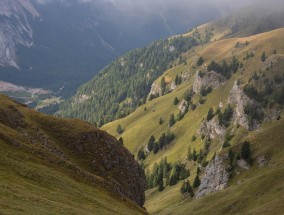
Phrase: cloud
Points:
(172, 12)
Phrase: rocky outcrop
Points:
(91, 154)
(272, 114)
(173, 86)
(155, 90)
(209, 79)
(239, 99)
(183, 106)
(214, 179)
(14, 28)
(212, 129)
(261, 161)
(243, 164)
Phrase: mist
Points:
(177, 16)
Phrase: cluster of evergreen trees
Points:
(187, 188)
(226, 116)
(269, 91)
(166, 174)
(224, 68)
(164, 140)
(200, 157)
(123, 85)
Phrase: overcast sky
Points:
(182, 12)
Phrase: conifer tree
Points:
(171, 120)
(151, 143)
(196, 182)
(161, 186)
(200, 61)
(176, 101)
(245, 151)
(161, 121)
(183, 188)
(163, 85)
(119, 129)
(210, 114)
(263, 57)
(189, 188)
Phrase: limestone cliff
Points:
(215, 178)
(210, 79)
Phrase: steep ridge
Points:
(77, 153)
(245, 102)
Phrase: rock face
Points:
(14, 28)
(155, 90)
(210, 79)
(182, 106)
(89, 153)
(238, 98)
(243, 164)
(212, 129)
(215, 178)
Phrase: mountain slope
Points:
(253, 93)
(54, 165)
(124, 85)
(257, 191)
(59, 45)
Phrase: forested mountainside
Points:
(216, 131)
(58, 45)
(125, 84)
(58, 166)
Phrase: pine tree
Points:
(151, 142)
(210, 114)
(162, 141)
(188, 188)
(196, 182)
(198, 171)
(187, 96)
(163, 85)
(119, 129)
(194, 155)
(161, 186)
(178, 80)
(245, 151)
(189, 154)
(200, 61)
(161, 121)
(171, 120)
(141, 154)
(263, 56)
(156, 148)
(183, 188)
(176, 101)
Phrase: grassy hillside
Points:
(148, 121)
(246, 22)
(124, 85)
(144, 122)
(257, 191)
(55, 166)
